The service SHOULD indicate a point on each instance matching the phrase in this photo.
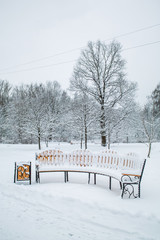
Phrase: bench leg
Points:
(37, 177)
(37, 174)
(94, 178)
(110, 183)
(67, 176)
(122, 190)
(139, 190)
(89, 177)
(129, 190)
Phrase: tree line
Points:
(100, 104)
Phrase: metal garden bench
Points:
(127, 169)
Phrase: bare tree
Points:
(151, 123)
(5, 89)
(83, 116)
(156, 99)
(17, 115)
(100, 73)
(119, 113)
(43, 110)
(34, 112)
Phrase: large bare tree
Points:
(99, 72)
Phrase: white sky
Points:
(33, 29)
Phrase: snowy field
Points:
(54, 210)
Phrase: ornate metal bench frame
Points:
(128, 182)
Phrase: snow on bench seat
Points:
(108, 163)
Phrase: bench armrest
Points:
(130, 178)
(130, 174)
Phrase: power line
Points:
(43, 66)
(76, 49)
(40, 59)
(60, 63)
(142, 45)
(132, 32)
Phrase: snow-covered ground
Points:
(54, 210)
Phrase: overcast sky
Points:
(34, 29)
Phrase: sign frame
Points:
(22, 172)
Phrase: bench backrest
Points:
(143, 166)
(107, 159)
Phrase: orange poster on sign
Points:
(23, 172)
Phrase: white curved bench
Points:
(127, 169)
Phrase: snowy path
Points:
(54, 210)
(37, 215)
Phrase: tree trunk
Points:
(46, 141)
(127, 140)
(109, 139)
(81, 140)
(103, 126)
(85, 137)
(149, 150)
(39, 143)
(85, 127)
(39, 139)
(117, 137)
